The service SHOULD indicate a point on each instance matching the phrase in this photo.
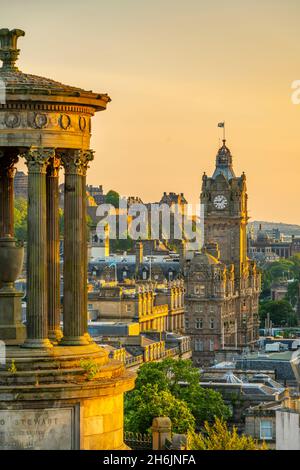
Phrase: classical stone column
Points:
(87, 156)
(75, 327)
(8, 159)
(52, 196)
(37, 319)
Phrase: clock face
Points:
(220, 202)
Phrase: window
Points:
(187, 323)
(199, 309)
(199, 290)
(211, 345)
(266, 429)
(90, 306)
(212, 323)
(198, 345)
(199, 323)
(144, 275)
(128, 307)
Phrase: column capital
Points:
(37, 158)
(87, 156)
(76, 161)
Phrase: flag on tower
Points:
(221, 124)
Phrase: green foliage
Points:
(112, 197)
(90, 367)
(13, 368)
(217, 436)
(281, 313)
(181, 380)
(149, 402)
(125, 244)
(20, 214)
(293, 292)
(279, 270)
(283, 269)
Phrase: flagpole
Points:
(222, 124)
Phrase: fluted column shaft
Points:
(52, 196)
(8, 159)
(75, 324)
(37, 318)
(87, 156)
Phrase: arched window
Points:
(144, 274)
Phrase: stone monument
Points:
(58, 389)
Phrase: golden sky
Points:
(174, 69)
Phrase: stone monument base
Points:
(12, 329)
(64, 398)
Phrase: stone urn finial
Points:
(11, 262)
(8, 47)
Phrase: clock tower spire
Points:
(224, 162)
(224, 197)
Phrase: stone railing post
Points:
(161, 431)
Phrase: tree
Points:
(112, 197)
(281, 313)
(205, 404)
(293, 293)
(282, 269)
(217, 436)
(122, 244)
(279, 270)
(20, 215)
(149, 402)
(181, 379)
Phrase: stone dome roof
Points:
(18, 82)
(262, 235)
(22, 86)
(224, 163)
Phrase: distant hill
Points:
(287, 229)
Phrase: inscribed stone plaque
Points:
(38, 429)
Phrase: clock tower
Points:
(222, 284)
(224, 199)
